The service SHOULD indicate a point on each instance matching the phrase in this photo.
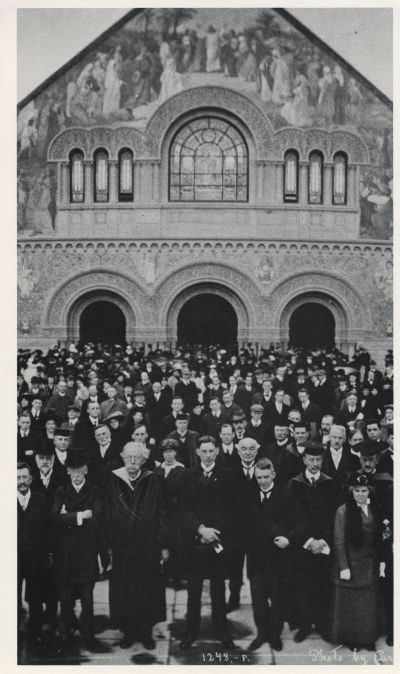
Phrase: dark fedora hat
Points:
(76, 458)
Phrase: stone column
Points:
(63, 185)
(303, 183)
(113, 181)
(279, 185)
(327, 185)
(88, 163)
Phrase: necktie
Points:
(248, 476)
(312, 481)
(262, 496)
(207, 473)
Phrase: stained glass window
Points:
(77, 176)
(290, 191)
(101, 176)
(315, 170)
(208, 161)
(339, 185)
(125, 175)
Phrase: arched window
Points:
(125, 175)
(101, 175)
(315, 179)
(76, 176)
(339, 183)
(208, 161)
(291, 177)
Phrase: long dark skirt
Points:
(355, 615)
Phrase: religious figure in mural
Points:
(384, 279)
(159, 53)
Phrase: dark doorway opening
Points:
(207, 319)
(312, 326)
(103, 322)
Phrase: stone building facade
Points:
(262, 241)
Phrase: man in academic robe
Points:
(77, 516)
(270, 533)
(315, 501)
(134, 506)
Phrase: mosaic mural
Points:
(161, 52)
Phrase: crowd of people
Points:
(152, 467)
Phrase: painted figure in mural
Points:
(354, 99)
(28, 140)
(339, 116)
(171, 81)
(248, 70)
(297, 111)
(187, 50)
(313, 72)
(142, 77)
(326, 99)
(112, 85)
(213, 45)
(281, 89)
(200, 51)
(22, 197)
(265, 79)
(384, 279)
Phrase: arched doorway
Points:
(102, 321)
(207, 319)
(312, 325)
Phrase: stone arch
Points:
(65, 305)
(351, 313)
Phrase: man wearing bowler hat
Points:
(315, 501)
(77, 519)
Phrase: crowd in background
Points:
(197, 458)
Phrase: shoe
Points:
(256, 643)
(149, 643)
(276, 644)
(389, 639)
(186, 642)
(301, 635)
(232, 605)
(127, 641)
(228, 643)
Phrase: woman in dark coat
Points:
(358, 562)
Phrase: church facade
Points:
(200, 170)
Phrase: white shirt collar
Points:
(227, 449)
(62, 456)
(46, 478)
(310, 476)
(207, 469)
(24, 498)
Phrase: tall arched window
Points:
(208, 161)
(339, 183)
(125, 175)
(101, 175)
(315, 178)
(291, 176)
(76, 176)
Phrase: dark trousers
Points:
(312, 591)
(236, 579)
(267, 607)
(32, 596)
(68, 594)
(218, 606)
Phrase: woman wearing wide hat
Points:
(358, 564)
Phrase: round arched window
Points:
(208, 161)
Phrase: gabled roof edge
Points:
(285, 14)
(126, 17)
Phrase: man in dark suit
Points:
(59, 402)
(61, 443)
(257, 429)
(266, 396)
(158, 406)
(275, 451)
(212, 421)
(386, 457)
(210, 522)
(228, 406)
(315, 501)
(338, 461)
(73, 418)
(350, 412)
(245, 394)
(83, 435)
(278, 411)
(103, 458)
(310, 413)
(187, 441)
(112, 404)
(239, 423)
(27, 442)
(188, 391)
(270, 522)
(323, 393)
(228, 455)
(77, 520)
(215, 390)
(168, 423)
(32, 526)
(291, 463)
(95, 396)
(38, 416)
